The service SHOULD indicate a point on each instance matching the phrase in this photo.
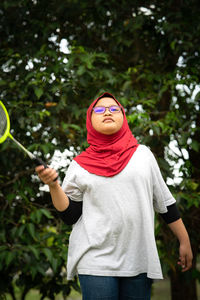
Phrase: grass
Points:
(160, 290)
(35, 295)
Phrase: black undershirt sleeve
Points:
(171, 215)
(71, 215)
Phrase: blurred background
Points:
(58, 56)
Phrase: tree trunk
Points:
(26, 290)
(11, 291)
(183, 286)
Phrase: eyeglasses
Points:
(101, 109)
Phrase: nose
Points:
(107, 111)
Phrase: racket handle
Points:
(40, 162)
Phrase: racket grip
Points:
(40, 162)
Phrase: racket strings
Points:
(3, 122)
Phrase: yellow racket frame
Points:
(8, 134)
(7, 131)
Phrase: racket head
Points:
(4, 123)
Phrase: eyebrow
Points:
(106, 106)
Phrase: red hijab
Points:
(107, 155)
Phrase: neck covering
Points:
(107, 155)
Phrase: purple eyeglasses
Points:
(101, 109)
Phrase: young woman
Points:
(110, 193)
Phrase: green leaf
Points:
(46, 213)
(38, 214)
(38, 92)
(2, 82)
(13, 232)
(195, 146)
(74, 126)
(48, 254)
(2, 259)
(11, 196)
(34, 251)
(12, 84)
(33, 270)
(9, 258)
(155, 128)
(54, 264)
(21, 230)
(31, 229)
(2, 248)
(3, 236)
(173, 44)
(81, 70)
(41, 270)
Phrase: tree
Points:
(147, 54)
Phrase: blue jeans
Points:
(115, 288)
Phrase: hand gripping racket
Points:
(5, 133)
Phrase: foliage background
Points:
(144, 52)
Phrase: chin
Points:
(109, 132)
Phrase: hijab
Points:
(107, 155)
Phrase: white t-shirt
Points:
(115, 234)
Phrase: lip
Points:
(108, 119)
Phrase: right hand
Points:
(47, 175)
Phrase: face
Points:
(107, 123)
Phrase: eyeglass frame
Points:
(107, 107)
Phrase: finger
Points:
(182, 262)
(52, 178)
(49, 175)
(39, 168)
(188, 264)
(52, 181)
(185, 269)
(45, 173)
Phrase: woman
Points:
(110, 192)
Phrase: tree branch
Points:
(16, 177)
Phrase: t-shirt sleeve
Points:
(71, 215)
(172, 214)
(70, 183)
(162, 196)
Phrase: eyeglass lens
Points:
(102, 109)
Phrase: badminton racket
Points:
(5, 133)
